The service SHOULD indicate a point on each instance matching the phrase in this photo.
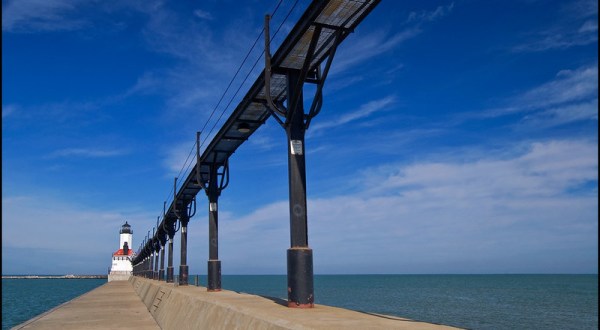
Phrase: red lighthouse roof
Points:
(121, 253)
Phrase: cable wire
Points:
(253, 66)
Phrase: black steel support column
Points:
(170, 261)
(183, 267)
(155, 265)
(299, 256)
(151, 269)
(161, 271)
(214, 264)
(148, 266)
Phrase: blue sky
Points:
(455, 136)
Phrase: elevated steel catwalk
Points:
(334, 19)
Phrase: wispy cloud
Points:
(562, 115)
(8, 110)
(179, 158)
(546, 169)
(367, 46)
(362, 112)
(577, 26)
(429, 16)
(202, 60)
(580, 9)
(589, 26)
(203, 14)
(57, 114)
(571, 96)
(561, 40)
(568, 86)
(40, 15)
(204, 64)
(87, 153)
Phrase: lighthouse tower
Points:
(121, 267)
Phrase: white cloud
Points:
(562, 115)
(589, 26)
(573, 28)
(179, 158)
(569, 86)
(547, 169)
(204, 63)
(363, 111)
(365, 47)
(428, 16)
(367, 109)
(40, 15)
(549, 40)
(571, 96)
(87, 153)
(8, 110)
(203, 14)
(580, 9)
(61, 112)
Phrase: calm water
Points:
(468, 301)
(23, 299)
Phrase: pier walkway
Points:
(146, 304)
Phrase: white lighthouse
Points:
(121, 267)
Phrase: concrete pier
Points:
(142, 303)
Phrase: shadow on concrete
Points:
(278, 301)
(396, 318)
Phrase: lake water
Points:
(467, 301)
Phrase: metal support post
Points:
(214, 264)
(155, 265)
(161, 271)
(299, 256)
(216, 183)
(170, 261)
(150, 265)
(146, 267)
(183, 267)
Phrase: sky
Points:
(455, 137)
